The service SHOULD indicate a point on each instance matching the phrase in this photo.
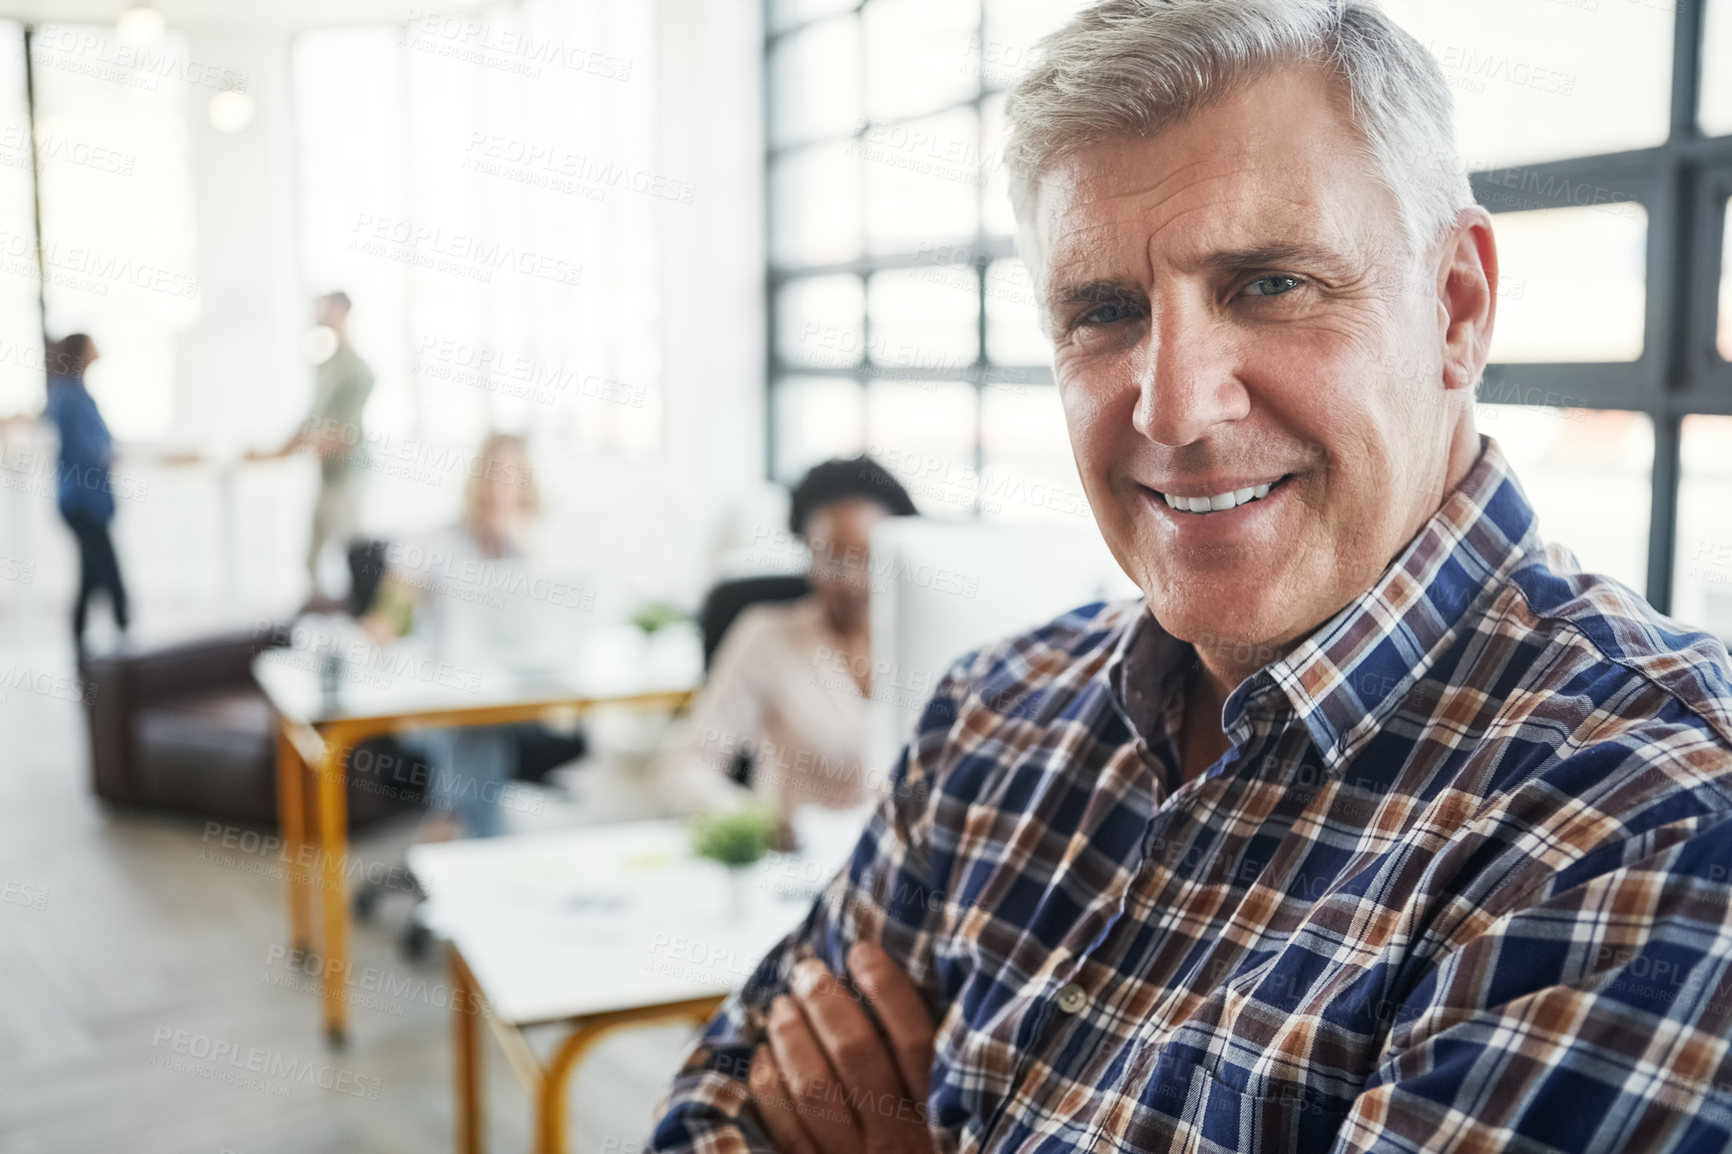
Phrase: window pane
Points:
(923, 431)
(819, 321)
(919, 55)
(816, 418)
(1702, 569)
(996, 218)
(1546, 81)
(922, 181)
(1007, 50)
(787, 13)
(21, 377)
(121, 252)
(1714, 112)
(815, 206)
(579, 316)
(1724, 340)
(920, 318)
(349, 87)
(1029, 472)
(1573, 284)
(1013, 333)
(815, 82)
(1589, 476)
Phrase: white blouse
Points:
(781, 687)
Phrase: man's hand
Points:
(829, 1082)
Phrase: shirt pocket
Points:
(1192, 1110)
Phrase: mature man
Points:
(1376, 824)
(333, 430)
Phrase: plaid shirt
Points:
(1461, 882)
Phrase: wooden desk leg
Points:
(292, 823)
(334, 863)
(550, 1114)
(466, 1051)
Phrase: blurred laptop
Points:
(520, 618)
(940, 589)
(1718, 615)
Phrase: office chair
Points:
(727, 601)
(539, 752)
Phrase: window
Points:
(1606, 160)
(1588, 474)
(1571, 285)
(487, 193)
(1714, 116)
(1538, 80)
(1704, 574)
(119, 232)
(21, 379)
(902, 322)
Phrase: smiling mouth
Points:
(1221, 502)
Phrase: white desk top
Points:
(559, 925)
(331, 671)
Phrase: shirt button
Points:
(1072, 998)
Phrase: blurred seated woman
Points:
(791, 680)
(454, 591)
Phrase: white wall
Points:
(713, 259)
(241, 379)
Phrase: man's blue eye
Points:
(1106, 314)
(1272, 286)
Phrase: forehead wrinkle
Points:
(1307, 236)
(1099, 186)
(1113, 174)
(1086, 238)
(1210, 247)
(1260, 195)
(1090, 219)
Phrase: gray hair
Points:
(1131, 68)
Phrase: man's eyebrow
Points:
(1095, 291)
(1280, 254)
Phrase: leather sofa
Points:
(184, 728)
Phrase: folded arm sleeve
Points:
(884, 895)
(1595, 1016)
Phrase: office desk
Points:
(601, 928)
(324, 709)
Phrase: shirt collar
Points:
(1360, 665)
(1146, 667)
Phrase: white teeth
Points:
(1219, 502)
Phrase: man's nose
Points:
(1186, 377)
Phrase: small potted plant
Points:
(737, 839)
(653, 615)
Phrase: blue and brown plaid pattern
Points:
(1462, 882)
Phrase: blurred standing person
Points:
(334, 431)
(85, 492)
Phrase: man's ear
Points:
(1467, 297)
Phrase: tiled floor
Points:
(127, 946)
